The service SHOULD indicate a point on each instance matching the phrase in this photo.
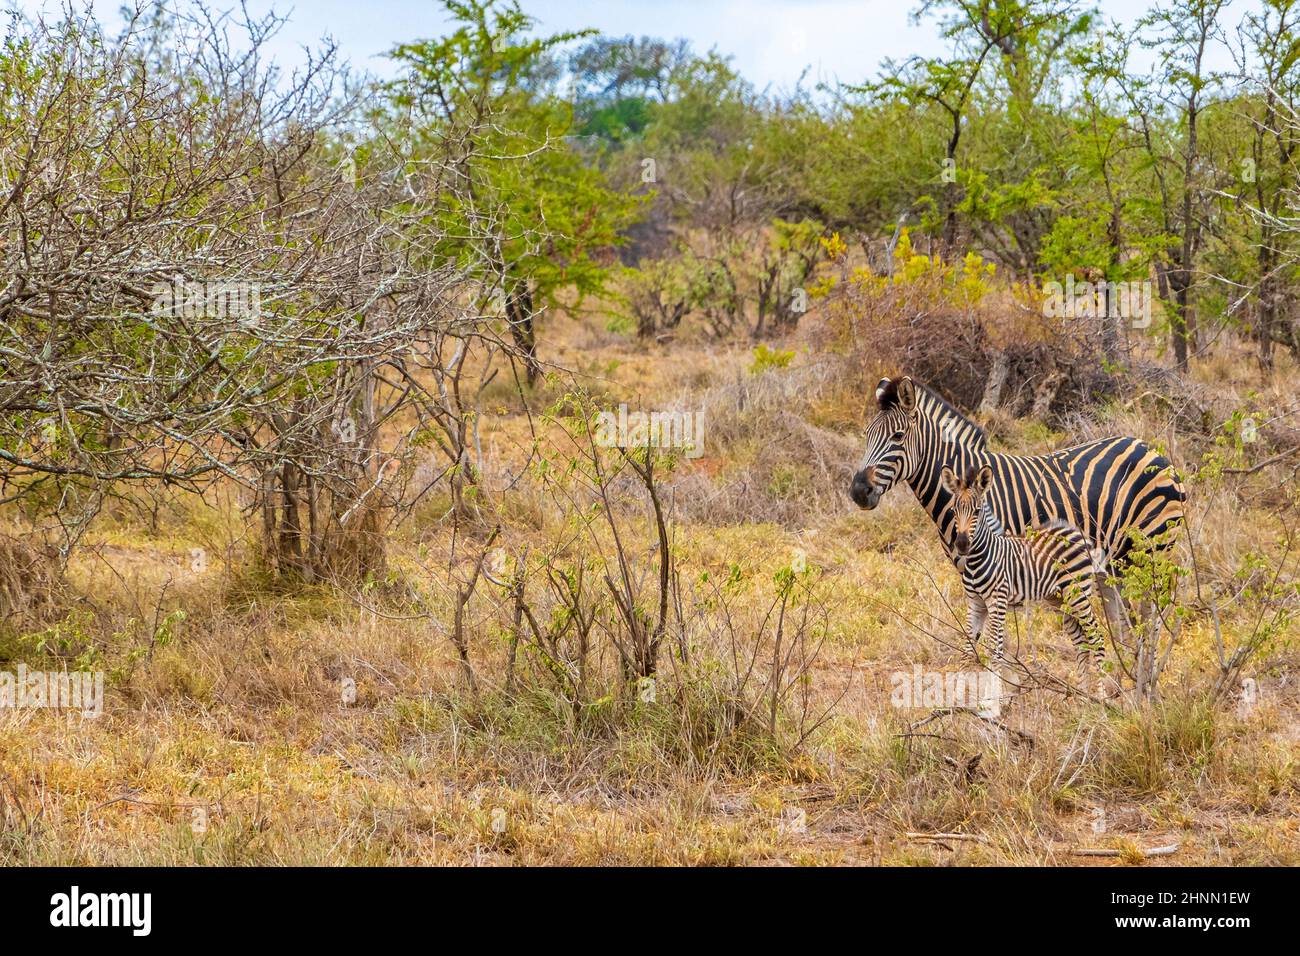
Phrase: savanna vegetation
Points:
(306, 383)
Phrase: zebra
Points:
(1052, 562)
(1115, 491)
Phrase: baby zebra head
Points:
(967, 502)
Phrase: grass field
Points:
(251, 724)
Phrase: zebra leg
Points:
(976, 614)
(1089, 648)
(996, 625)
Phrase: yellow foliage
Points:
(834, 246)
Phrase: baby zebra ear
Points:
(950, 483)
(983, 479)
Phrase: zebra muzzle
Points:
(864, 492)
(865, 497)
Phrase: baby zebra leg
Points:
(976, 613)
(996, 625)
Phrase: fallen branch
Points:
(1017, 735)
(969, 837)
(1169, 850)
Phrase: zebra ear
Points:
(983, 479)
(885, 393)
(906, 395)
(949, 480)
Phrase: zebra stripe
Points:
(1052, 563)
(1108, 489)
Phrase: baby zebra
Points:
(1053, 563)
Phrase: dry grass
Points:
(227, 739)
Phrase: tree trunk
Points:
(519, 312)
(1267, 311)
(1111, 320)
(290, 543)
(1173, 285)
(994, 384)
(1181, 328)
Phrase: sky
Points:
(773, 42)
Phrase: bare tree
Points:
(203, 280)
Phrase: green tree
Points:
(1165, 108)
(1271, 173)
(530, 213)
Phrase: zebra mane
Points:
(939, 409)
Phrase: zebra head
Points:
(967, 503)
(891, 443)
